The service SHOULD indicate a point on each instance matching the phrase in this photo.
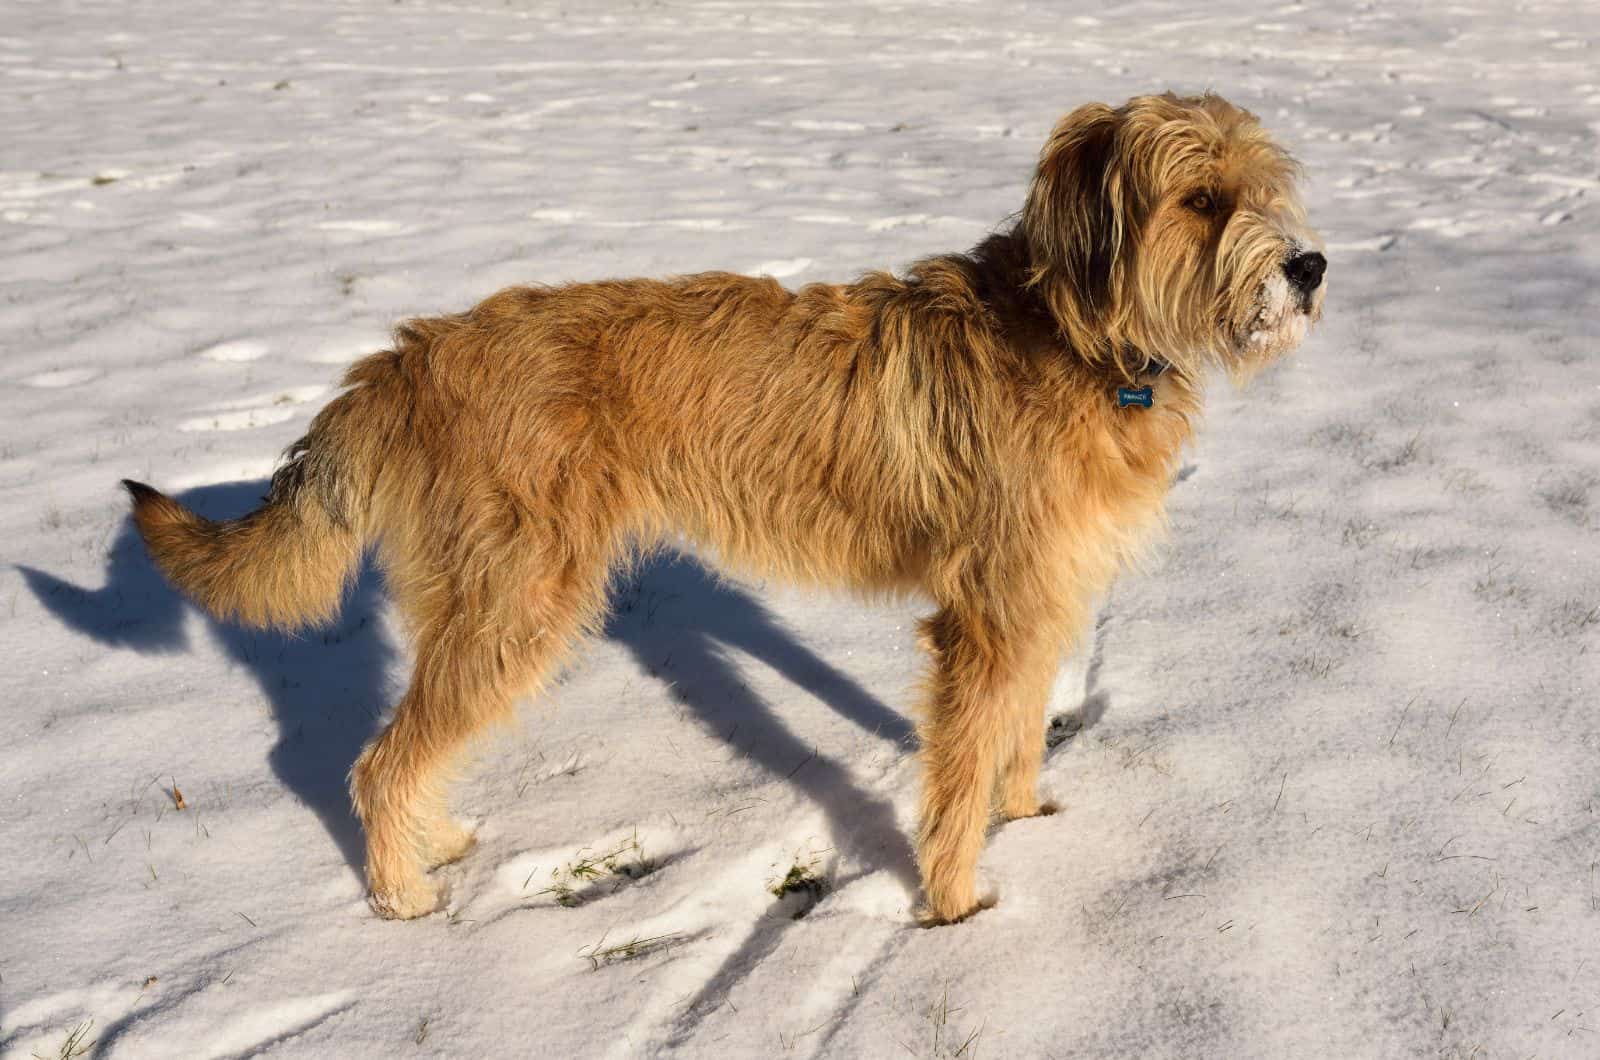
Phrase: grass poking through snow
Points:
(77, 1043)
(948, 1043)
(578, 881)
(803, 878)
(600, 954)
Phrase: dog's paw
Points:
(448, 843)
(418, 898)
(931, 915)
(1030, 808)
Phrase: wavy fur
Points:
(952, 431)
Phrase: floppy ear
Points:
(1072, 223)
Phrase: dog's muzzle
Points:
(1305, 270)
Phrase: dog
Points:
(955, 431)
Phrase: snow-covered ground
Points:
(1331, 793)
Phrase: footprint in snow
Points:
(253, 412)
(236, 350)
(61, 378)
(781, 269)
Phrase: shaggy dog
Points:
(966, 430)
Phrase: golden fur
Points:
(952, 431)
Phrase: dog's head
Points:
(1168, 229)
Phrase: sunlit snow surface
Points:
(1332, 791)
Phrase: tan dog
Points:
(957, 431)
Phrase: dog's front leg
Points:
(1044, 677)
(1018, 793)
(985, 681)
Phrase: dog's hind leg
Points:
(971, 728)
(472, 663)
(450, 697)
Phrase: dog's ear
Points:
(1072, 221)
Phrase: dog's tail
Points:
(287, 564)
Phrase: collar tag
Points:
(1143, 396)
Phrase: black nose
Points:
(1305, 270)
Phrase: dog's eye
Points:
(1200, 202)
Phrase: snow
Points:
(1329, 790)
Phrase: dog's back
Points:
(820, 436)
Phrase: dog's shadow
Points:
(682, 625)
(328, 687)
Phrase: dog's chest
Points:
(1110, 482)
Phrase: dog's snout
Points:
(1305, 270)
